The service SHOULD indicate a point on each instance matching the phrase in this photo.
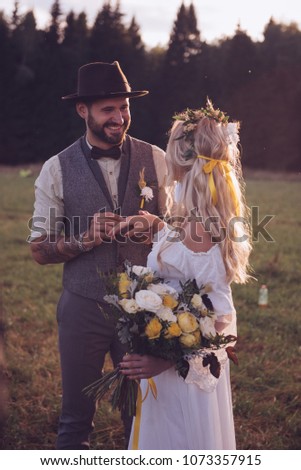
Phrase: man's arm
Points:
(54, 249)
(59, 249)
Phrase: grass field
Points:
(267, 382)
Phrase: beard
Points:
(112, 137)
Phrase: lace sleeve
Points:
(201, 376)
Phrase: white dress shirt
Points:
(49, 190)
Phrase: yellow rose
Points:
(190, 339)
(169, 301)
(153, 329)
(197, 335)
(187, 322)
(173, 331)
(124, 284)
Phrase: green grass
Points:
(266, 384)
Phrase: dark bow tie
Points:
(113, 152)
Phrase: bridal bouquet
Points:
(155, 319)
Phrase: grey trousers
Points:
(86, 334)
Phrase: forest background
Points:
(257, 83)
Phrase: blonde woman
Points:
(210, 244)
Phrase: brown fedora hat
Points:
(102, 80)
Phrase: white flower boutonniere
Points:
(146, 192)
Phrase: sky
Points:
(216, 18)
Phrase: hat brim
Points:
(119, 94)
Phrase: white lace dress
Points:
(195, 413)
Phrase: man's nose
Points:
(118, 117)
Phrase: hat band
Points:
(95, 89)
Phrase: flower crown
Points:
(191, 118)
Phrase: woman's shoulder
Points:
(196, 238)
(175, 249)
(190, 237)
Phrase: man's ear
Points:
(82, 110)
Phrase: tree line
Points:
(257, 83)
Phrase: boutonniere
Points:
(146, 192)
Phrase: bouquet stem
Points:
(123, 391)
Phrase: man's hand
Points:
(101, 227)
(58, 249)
(138, 228)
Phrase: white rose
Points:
(129, 305)
(163, 289)
(141, 270)
(148, 300)
(147, 193)
(207, 326)
(232, 131)
(198, 303)
(166, 314)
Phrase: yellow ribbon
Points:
(227, 171)
(150, 386)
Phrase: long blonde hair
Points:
(210, 139)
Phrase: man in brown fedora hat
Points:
(81, 194)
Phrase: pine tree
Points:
(76, 38)
(22, 88)
(135, 66)
(240, 62)
(54, 33)
(50, 77)
(281, 45)
(180, 79)
(15, 16)
(7, 71)
(184, 43)
(134, 36)
(75, 53)
(107, 41)
(134, 61)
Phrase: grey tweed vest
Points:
(84, 195)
